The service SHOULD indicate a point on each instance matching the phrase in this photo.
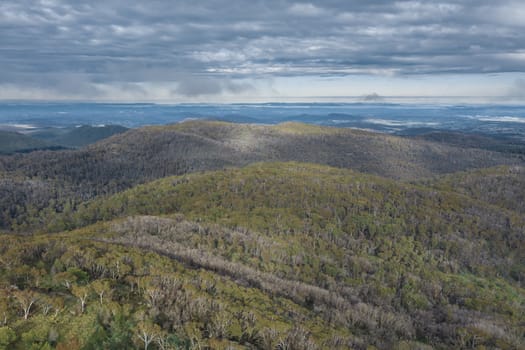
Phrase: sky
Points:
(261, 50)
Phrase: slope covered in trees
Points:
(86, 134)
(51, 181)
(501, 186)
(321, 257)
(11, 142)
(153, 152)
(380, 244)
(54, 139)
(68, 292)
(506, 144)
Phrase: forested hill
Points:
(85, 135)
(500, 186)
(11, 142)
(204, 145)
(51, 181)
(270, 256)
(55, 138)
(199, 236)
(153, 152)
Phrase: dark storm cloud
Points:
(213, 46)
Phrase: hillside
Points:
(55, 139)
(199, 145)
(466, 140)
(502, 186)
(286, 255)
(86, 134)
(11, 142)
(50, 181)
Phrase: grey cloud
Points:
(306, 9)
(198, 87)
(517, 89)
(202, 86)
(222, 41)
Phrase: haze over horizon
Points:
(284, 51)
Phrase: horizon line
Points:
(352, 99)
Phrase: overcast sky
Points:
(255, 50)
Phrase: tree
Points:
(7, 336)
(113, 334)
(147, 332)
(82, 293)
(4, 306)
(26, 298)
(167, 341)
(102, 288)
(36, 337)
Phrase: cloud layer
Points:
(173, 49)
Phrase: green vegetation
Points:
(33, 185)
(500, 186)
(107, 253)
(55, 139)
(11, 142)
(499, 144)
(296, 253)
(67, 292)
(85, 135)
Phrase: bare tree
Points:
(148, 332)
(82, 293)
(26, 299)
(102, 288)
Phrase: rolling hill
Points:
(201, 145)
(272, 255)
(501, 186)
(237, 236)
(55, 139)
(86, 134)
(469, 140)
(43, 181)
(12, 142)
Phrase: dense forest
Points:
(207, 235)
(55, 138)
(11, 142)
(33, 185)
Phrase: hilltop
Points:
(204, 145)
